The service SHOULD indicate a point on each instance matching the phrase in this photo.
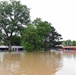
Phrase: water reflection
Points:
(69, 64)
(32, 63)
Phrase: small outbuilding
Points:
(69, 48)
(15, 48)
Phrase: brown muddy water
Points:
(38, 63)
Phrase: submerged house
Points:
(15, 48)
(69, 48)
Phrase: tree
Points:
(43, 28)
(40, 35)
(30, 38)
(33, 37)
(74, 43)
(1, 42)
(13, 19)
(67, 42)
(50, 37)
(16, 41)
(54, 38)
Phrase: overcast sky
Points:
(61, 13)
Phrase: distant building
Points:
(15, 48)
(69, 48)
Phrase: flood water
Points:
(38, 63)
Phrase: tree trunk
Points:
(45, 44)
(9, 46)
(34, 49)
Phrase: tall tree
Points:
(67, 42)
(54, 38)
(13, 19)
(30, 38)
(33, 37)
(40, 35)
(43, 28)
(74, 43)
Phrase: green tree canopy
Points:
(13, 18)
(69, 42)
(30, 38)
(40, 35)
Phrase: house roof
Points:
(12, 47)
(69, 46)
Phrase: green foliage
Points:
(16, 41)
(69, 43)
(74, 43)
(13, 19)
(30, 39)
(15, 26)
(40, 35)
(54, 38)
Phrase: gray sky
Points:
(61, 13)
